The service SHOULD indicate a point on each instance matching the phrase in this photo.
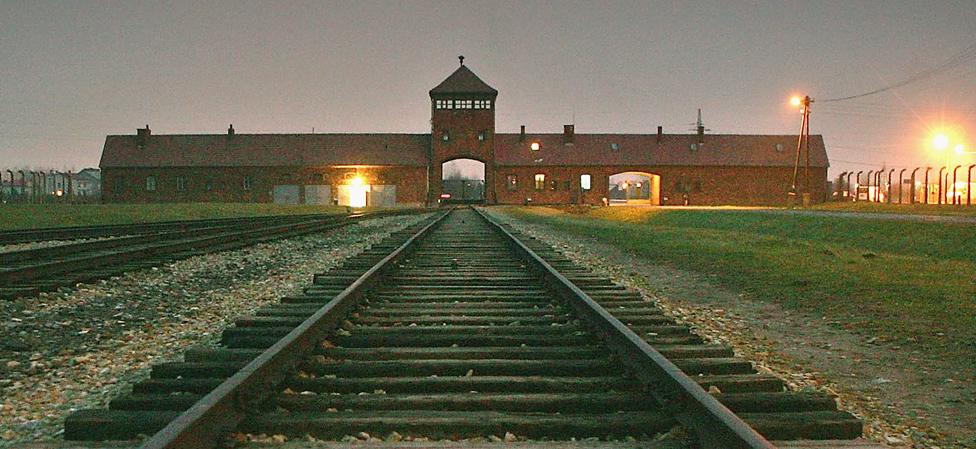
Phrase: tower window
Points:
(482, 104)
(540, 181)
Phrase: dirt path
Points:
(902, 394)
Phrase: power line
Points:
(958, 59)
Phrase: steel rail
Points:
(716, 426)
(215, 415)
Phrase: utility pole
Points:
(802, 146)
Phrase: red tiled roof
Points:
(643, 149)
(463, 81)
(265, 150)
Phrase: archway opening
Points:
(463, 181)
(634, 188)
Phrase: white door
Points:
(318, 194)
(286, 194)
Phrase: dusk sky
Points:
(73, 72)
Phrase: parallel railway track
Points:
(29, 272)
(456, 328)
(99, 231)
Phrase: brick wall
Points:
(128, 185)
(707, 185)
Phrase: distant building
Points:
(87, 182)
(396, 168)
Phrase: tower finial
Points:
(461, 58)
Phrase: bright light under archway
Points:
(357, 191)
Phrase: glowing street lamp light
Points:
(940, 141)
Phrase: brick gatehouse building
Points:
(519, 168)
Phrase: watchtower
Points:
(462, 124)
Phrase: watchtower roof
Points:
(463, 81)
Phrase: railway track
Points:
(99, 231)
(459, 328)
(29, 272)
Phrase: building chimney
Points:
(568, 134)
(701, 134)
(660, 133)
(142, 136)
(522, 134)
(230, 131)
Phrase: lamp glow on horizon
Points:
(940, 141)
(960, 148)
(796, 101)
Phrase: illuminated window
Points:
(181, 183)
(247, 182)
(540, 181)
(535, 146)
(512, 183)
(482, 104)
(614, 146)
(150, 183)
(585, 182)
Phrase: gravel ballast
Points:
(78, 348)
(806, 352)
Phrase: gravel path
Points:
(79, 348)
(881, 383)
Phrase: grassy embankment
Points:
(908, 209)
(908, 282)
(34, 216)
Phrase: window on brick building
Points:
(585, 181)
(181, 183)
(553, 185)
(512, 183)
(481, 136)
(210, 184)
(150, 183)
(445, 137)
(247, 182)
(540, 181)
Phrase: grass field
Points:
(910, 209)
(33, 216)
(899, 281)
